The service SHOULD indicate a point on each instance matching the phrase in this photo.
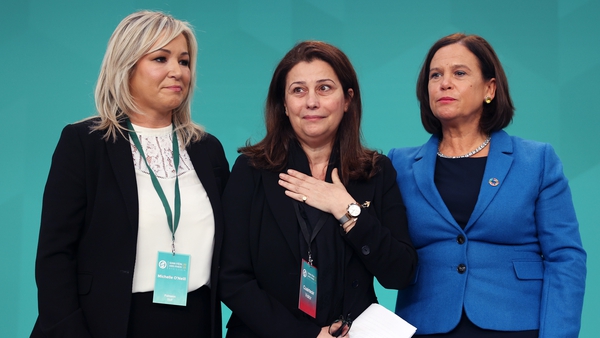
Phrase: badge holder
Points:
(172, 276)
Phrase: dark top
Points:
(458, 181)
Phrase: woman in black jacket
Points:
(131, 194)
(310, 200)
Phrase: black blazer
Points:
(88, 234)
(260, 261)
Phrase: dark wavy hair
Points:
(271, 153)
(496, 115)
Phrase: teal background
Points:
(51, 53)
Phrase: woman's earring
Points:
(488, 100)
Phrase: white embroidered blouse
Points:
(195, 234)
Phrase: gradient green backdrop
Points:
(51, 52)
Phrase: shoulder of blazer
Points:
(371, 189)
(413, 154)
(384, 164)
(521, 150)
(386, 171)
(83, 130)
(209, 150)
(210, 146)
(79, 142)
(520, 146)
(242, 164)
(89, 138)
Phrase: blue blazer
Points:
(518, 264)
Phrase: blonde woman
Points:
(131, 217)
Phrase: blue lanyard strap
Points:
(173, 222)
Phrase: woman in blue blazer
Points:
(490, 214)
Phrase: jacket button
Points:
(355, 283)
(461, 268)
(366, 250)
(460, 239)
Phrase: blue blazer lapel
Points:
(498, 164)
(423, 171)
(121, 161)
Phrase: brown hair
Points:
(271, 153)
(496, 115)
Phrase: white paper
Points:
(378, 322)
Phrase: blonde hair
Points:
(133, 38)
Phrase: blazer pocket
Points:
(84, 283)
(529, 269)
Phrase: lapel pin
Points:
(494, 181)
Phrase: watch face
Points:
(354, 210)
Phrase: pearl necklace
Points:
(478, 149)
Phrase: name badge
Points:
(171, 282)
(307, 301)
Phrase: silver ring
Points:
(303, 199)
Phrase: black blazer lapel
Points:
(121, 161)
(283, 211)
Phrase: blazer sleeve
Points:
(63, 216)
(564, 257)
(238, 286)
(380, 237)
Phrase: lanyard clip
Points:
(173, 247)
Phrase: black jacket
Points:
(260, 261)
(88, 235)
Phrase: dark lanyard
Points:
(172, 223)
(309, 238)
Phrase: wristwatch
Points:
(352, 212)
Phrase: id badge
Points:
(171, 281)
(307, 301)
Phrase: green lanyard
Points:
(172, 224)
